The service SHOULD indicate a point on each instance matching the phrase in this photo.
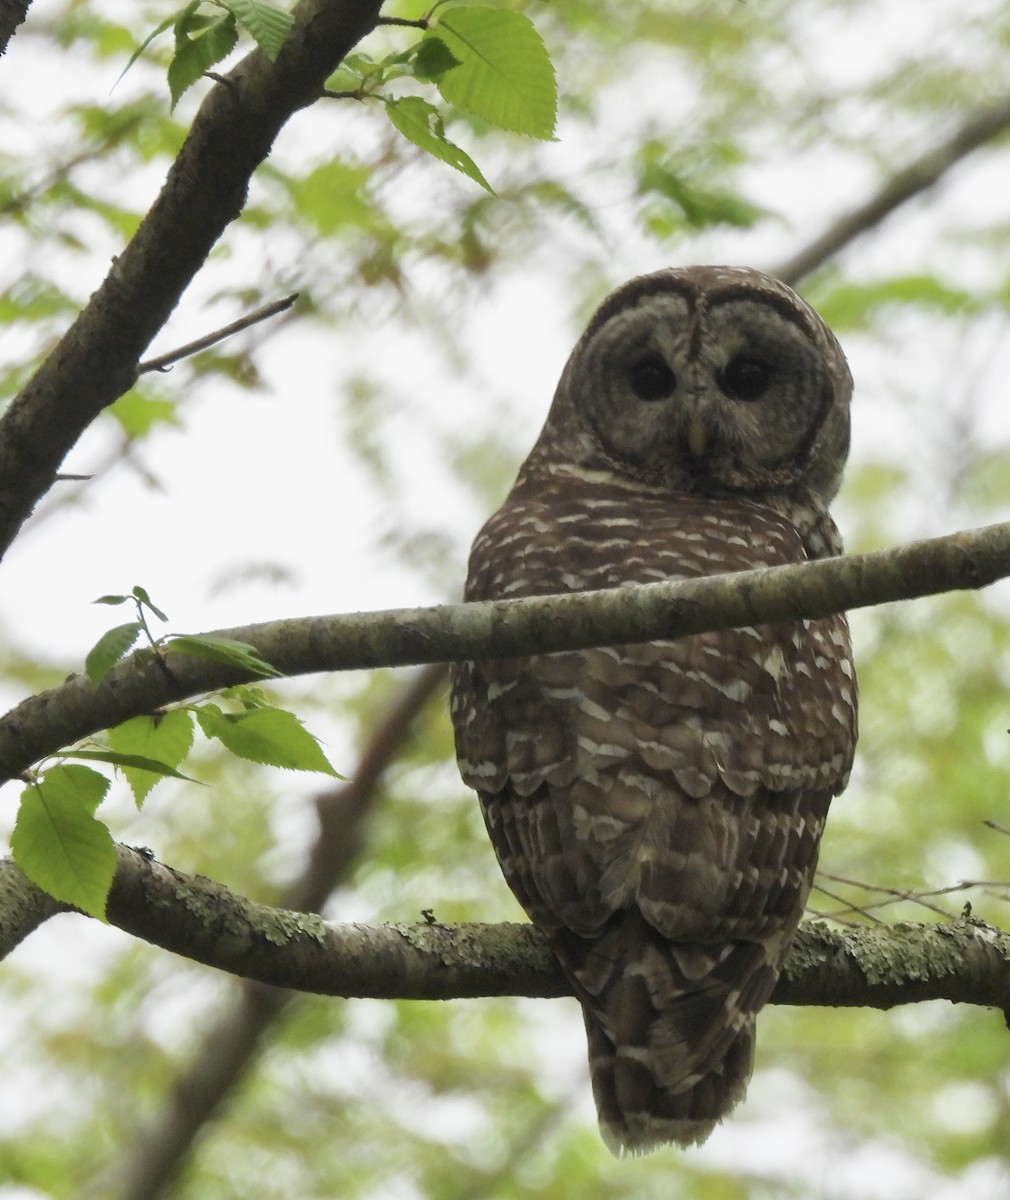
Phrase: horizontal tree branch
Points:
(963, 961)
(43, 724)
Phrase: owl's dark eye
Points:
(745, 377)
(651, 378)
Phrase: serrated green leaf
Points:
(109, 649)
(58, 843)
(272, 736)
(421, 124)
(200, 42)
(505, 75)
(433, 58)
(221, 649)
(165, 738)
(265, 22)
(166, 24)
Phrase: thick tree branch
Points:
(145, 681)
(962, 961)
(919, 176)
(12, 14)
(96, 360)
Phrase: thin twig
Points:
(261, 314)
(849, 908)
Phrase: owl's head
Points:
(707, 380)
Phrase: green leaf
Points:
(110, 648)
(200, 42)
(58, 843)
(433, 58)
(854, 305)
(505, 75)
(335, 195)
(421, 124)
(129, 760)
(265, 735)
(267, 23)
(138, 414)
(221, 649)
(699, 207)
(166, 24)
(165, 738)
(111, 599)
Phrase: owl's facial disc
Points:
(729, 395)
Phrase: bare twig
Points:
(260, 314)
(848, 908)
(889, 896)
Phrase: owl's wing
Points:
(664, 776)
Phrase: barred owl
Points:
(657, 808)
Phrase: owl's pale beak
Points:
(698, 436)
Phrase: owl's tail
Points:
(670, 1028)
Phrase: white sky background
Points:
(264, 478)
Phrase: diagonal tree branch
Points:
(231, 1044)
(980, 128)
(963, 961)
(12, 14)
(45, 723)
(96, 360)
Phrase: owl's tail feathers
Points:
(670, 1028)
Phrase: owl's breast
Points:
(770, 706)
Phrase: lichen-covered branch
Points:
(142, 683)
(963, 961)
